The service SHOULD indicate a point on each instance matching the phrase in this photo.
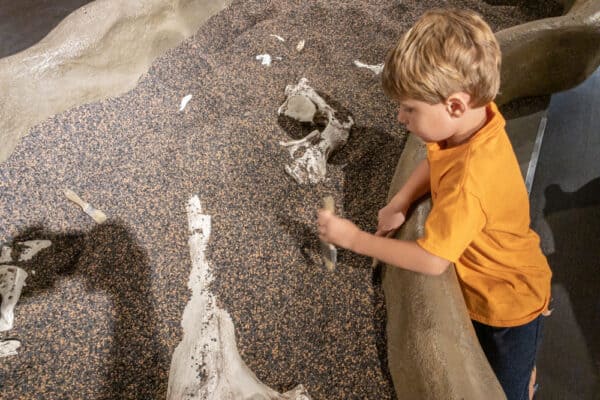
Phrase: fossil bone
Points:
(184, 102)
(32, 247)
(265, 59)
(9, 347)
(206, 364)
(278, 37)
(376, 69)
(310, 154)
(5, 254)
(12, 280)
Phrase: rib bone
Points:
(310, 154)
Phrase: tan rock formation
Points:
(552, 54)
(99, 50)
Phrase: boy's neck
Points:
(472, 122)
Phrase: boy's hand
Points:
(338, 231)
(389, 218)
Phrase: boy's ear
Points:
(457, 104)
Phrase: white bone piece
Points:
(278, 38)
(206, 364)
(5, 254)
(32, 248)
(12, 280)
(300, 108)
(265, 59)
(310, 154)
(184, 102)
(300, 45)
(377, 69)
(9, 347)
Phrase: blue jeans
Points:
(511, 352)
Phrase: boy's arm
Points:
(393, 214)
(400, 253)
(416, 186)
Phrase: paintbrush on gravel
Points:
(97, 215)
(328, 251)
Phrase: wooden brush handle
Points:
(329, 204)
(71, 195)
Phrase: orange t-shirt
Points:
(480, 221)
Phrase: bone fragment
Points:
(206, 364)
(300, 45)
(265, 59)
(32, 247)
(278, 38)
(377, 69)
(12, 280)
(9, 347)
(5, 254)
(184, 102)
(311, 153)
(300, 108)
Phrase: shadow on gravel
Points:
(109, 261)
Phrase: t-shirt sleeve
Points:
(454, 221)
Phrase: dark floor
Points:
(25, 22)
(565, 201)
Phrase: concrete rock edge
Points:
(99, 50)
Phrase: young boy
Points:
(445, 73)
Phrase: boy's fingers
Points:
(380, 232)
(324, 214)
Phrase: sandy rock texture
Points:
(101, 316)
(552, 54)
(99, 50)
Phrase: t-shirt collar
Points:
(495, 122)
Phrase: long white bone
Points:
(12, 280)
(9, 347)
(32, 247)
(206, 365)
(311, 153)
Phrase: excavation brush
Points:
(329, 252)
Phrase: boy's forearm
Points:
(416, 186)
(400, 253)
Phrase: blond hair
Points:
(445, 52)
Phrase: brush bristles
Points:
(329, 265)
(98, 216)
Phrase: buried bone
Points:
(9, 347)
(310, 154)
(32, 247)
(206, 364)
(5, 254)
(12, 280)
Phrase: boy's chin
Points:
(424, 138)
